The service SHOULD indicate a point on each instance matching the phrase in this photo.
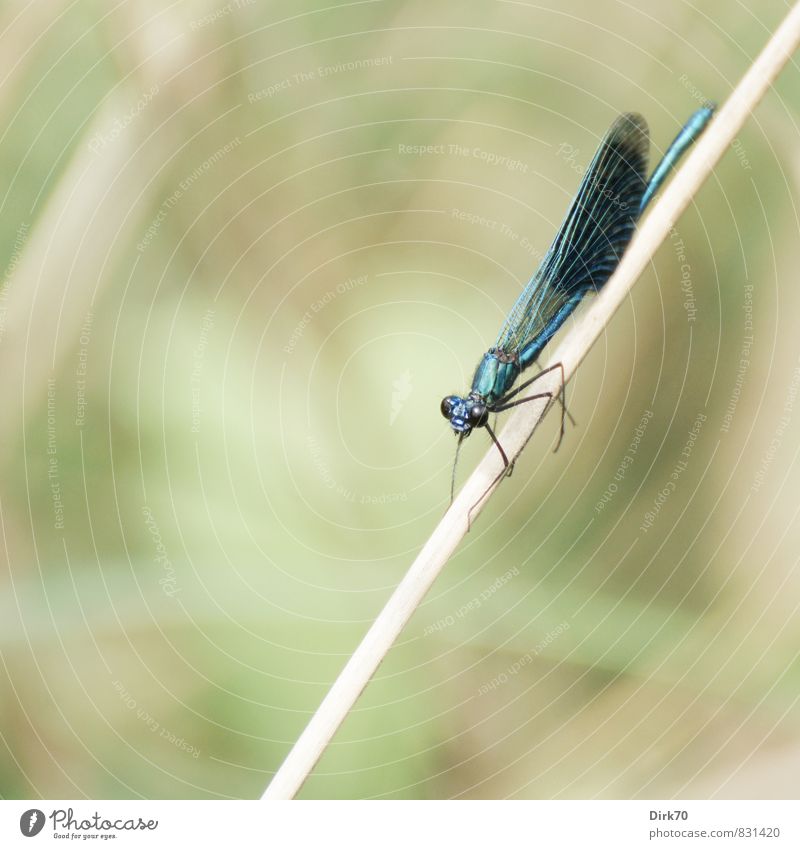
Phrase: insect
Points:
(588, 246)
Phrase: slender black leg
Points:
(508, 467)
(506, 470)
(562, 394)
(496, 441)
(502, 405)
(519, 401)
(562, 398)
(527, 383)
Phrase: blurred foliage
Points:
(233, 299)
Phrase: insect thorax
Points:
(495, 375)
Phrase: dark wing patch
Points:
(591, 240)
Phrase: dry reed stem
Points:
(524, 420)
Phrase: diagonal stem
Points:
(454, 524)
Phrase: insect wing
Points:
(591, 240)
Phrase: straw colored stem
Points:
(522, 423)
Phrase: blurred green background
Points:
(235, 291)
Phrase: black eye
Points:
(447, 405)
(478, 415)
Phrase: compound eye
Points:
(447, 405)
(478, 415)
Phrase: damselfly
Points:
(600, 223)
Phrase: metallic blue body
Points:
(497, 372)
(680, 144)
(612, 196)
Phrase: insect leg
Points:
(561, 397)
(496, 441)
(534, 398)
(507, 468)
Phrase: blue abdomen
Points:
(495, 375)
